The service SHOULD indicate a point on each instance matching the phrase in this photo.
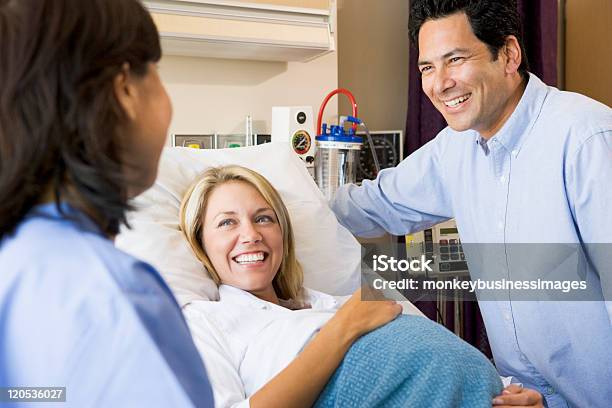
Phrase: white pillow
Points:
(329, 254)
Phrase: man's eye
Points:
(455, 59)
(425, 69)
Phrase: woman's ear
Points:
(125, 91)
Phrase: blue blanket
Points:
(412, 362)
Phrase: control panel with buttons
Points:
(442, 245)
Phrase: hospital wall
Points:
(588, 49)
(212, 95)
(215, 95)
(373, 60)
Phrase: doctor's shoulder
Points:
(55, 262)
(55, 293)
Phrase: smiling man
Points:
(520, 162)
(471, 85)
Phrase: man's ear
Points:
(125, 91)
(512, 54)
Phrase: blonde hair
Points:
(289, 278)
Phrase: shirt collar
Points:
(518, 126)
(240, 297)
(320, 300)
(64, 212)
(317, 300)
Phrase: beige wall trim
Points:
(306, 6)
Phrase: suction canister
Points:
(337, 154)
(336, 159)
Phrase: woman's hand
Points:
(324, 353)
(515, 395)
(358, 317)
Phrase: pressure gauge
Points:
(385, 152)
(301, 142)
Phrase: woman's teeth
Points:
(250, 258)
(457, 101)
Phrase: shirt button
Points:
(500, 225)
(507, 316)
(549, 390)
(502, 179)
(515, 153)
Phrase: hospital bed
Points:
(329, 254)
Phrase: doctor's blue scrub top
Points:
(76, 312)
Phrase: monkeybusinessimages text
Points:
(384, 263)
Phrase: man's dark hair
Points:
(491, 20)
(60, 121)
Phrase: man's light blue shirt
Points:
(76, 312)
(545, 177)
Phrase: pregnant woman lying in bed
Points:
(270, 342)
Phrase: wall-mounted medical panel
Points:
(243, 30)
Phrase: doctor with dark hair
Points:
(83, 119)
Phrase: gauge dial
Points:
(301, 142)
(385, 152)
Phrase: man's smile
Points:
(452, 103)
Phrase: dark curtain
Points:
(424, 122)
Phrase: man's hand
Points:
(515, 395)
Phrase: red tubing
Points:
(332, 93)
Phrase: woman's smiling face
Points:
(242, 237)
